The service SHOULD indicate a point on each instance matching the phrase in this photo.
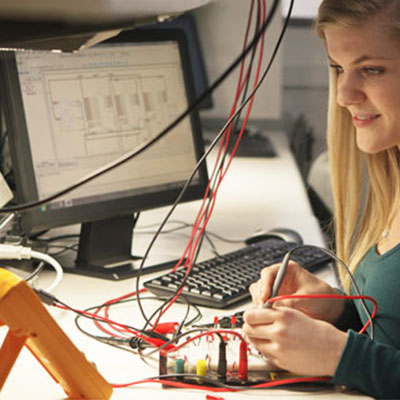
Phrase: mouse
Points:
(286, 234)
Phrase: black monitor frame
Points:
(107, 226)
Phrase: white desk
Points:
(262, 193)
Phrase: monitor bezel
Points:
(35, 220)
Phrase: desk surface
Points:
(257, 194)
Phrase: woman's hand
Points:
(294, 341)
(298, 281)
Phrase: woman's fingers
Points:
(295, 341)
(257, 316)
(261, 290)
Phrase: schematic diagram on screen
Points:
(85, 110)
(109, 110)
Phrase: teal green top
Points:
(373, 366)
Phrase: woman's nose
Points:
(349, 90)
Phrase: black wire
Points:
(97, 337)
(215, 141)
(112, 341)
(166, 301)
(182, 324)
(139, 149)
(203, 234)
(160, 309)
(232, 128)
(246, 87)
(64, 249)
(183, 225)
(177, 338)
(122, 301)
(211, 243)
(93, 318)
(223, 239)
(55, 238)
(35, 272)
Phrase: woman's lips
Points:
(360, 121)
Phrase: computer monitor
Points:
(187, 23)
(68, 114)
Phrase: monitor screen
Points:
(67, 114)
(187, 23)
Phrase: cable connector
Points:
(166, 327)
(222, 367)
(15, 252)
(18, 252)
(243, 363)
(46, 297)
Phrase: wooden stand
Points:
(32, 326)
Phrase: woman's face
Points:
(367, 64)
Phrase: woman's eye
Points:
(373, 71)
(337, 68)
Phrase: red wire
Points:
(271, 384)
(106, 317)
(154, 342)
(223, 173)
(92, 315)
(210, 332)
(238, 92)
(116, 300)
(332, 296)
(205, 213)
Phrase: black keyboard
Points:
(256, 145)
(223, 281)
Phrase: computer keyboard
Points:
(223, 281)
(253, 144)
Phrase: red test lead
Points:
(233, 322)
(243, 364)
(166, 327)
(216, 322)
(211, 397)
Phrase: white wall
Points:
(305, 80)
(302, 8)
(221, 27)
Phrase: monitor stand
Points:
(105, 251)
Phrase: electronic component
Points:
(219, 357)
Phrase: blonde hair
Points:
(366, 187)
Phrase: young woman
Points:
(319, 337)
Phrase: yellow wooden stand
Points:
(31, 325)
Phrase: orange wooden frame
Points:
(31, 325)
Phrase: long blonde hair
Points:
(366, 187)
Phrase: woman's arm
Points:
(370, 367)
(349, 318)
